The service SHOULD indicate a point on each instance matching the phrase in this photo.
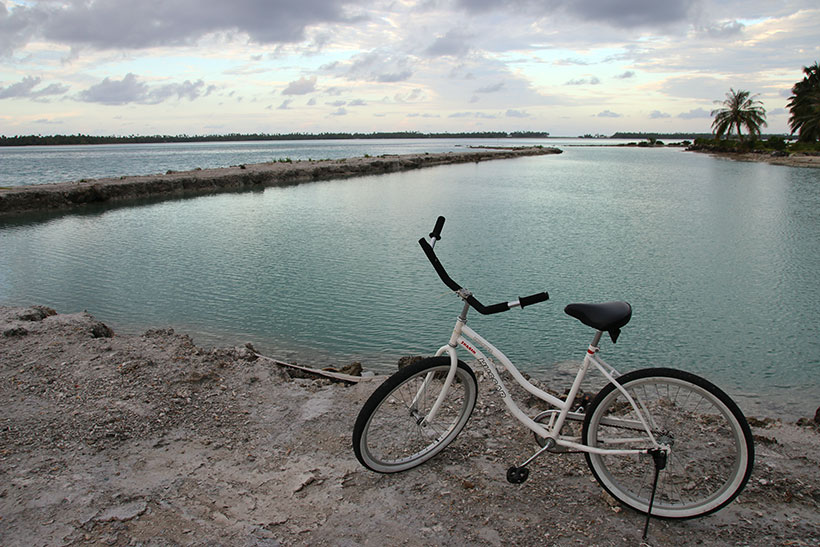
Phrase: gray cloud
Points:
(285, 105)
(724, 30)
(25, 89)
(517, 114)
(695, 87)
(131, 90)
(657, 115)
(608, 114)
(389, 77)
(616, 13)
(631, 13)
(584, 81)
(571, 62)
(480, 115)
(626, 75)
(695, 113)
(454, 43)
(495, 88)
(146, 23)
(375, 66)
(302, 86)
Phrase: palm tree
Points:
(804, 105)
(739, 109)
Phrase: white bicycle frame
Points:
(469, 339)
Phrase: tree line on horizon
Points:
(35, 140)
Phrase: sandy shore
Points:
(151, 440)
(126, 190)
(793, 160)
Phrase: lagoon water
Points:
(719, 259)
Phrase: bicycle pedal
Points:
(517, 475)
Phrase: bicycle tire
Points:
(389, 437)
(712, 451)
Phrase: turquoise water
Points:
(719, 260)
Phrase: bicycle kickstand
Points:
(517, 475)
(659, 458)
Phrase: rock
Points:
(101, 330)
(15, 331)
(35, 313)
(817, 416)
(353, 369)
(408, 360)
(126, 511)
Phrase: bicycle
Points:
(661, 441)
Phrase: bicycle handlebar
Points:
(436, 233)
(472, 300)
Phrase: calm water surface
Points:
(719, 260)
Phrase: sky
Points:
(568, 67)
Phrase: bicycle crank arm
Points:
(517, 475)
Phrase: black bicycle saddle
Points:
(609, 317)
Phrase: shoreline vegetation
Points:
(111, 439)
(80, 139)
(126, 190)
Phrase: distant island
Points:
(39, 140)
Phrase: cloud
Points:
(725, 29)
(627, 14)
(584, 81)
(339, 112)
(695, 113)
(374, 66)
(412, 96)
(626, 75)
(517, 114)
(107, 24)
(389, 77)
(357, 102)
(131, 90)
(302, 86)
(631, 13)
(285, 105)
(495, 88)
(24, 89)
(480, 115)
(657, 115)
(695, 87)
(453, 43)
(571, 62)
(608, 114)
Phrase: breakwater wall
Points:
(122, 190)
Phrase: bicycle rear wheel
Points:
(712, 451)
(390, 434)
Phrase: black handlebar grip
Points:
(436, 233)
(533, 299)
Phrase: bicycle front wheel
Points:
(391, 433)
(711, 454)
